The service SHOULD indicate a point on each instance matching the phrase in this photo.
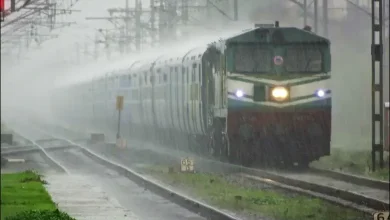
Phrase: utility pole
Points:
(77, 47)
(305, 13)
(325, 17)
(184, 11)
(127, 24)
(377, 82)
(96, 50)
(86, 51)
(208, 10)
(13, 5)
(138, 28)
(236, 10)
(153, 22)
(161, 22)
(125, 31)
(171, 19)
(316, 16)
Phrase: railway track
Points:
(35, 147)
(359, 193)
(191, 204)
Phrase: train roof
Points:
(287, 35)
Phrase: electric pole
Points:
(377, 81)
(77, 47)
(304, 13)
(236, 10)
(325, 17)
(316, 16)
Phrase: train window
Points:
(146, 77)
(193, 75)
(151, 79)
(200, 72)
(252, 59)
(165, 77)
(183, 70)
(171, 69)
(158, 70)
(176, 69)
(129, 80)
(140, 81)
(306, 59)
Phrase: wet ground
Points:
(33, 161)
(92, 191)
(142, 203)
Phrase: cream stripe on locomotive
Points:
(297, 92)
(297, 81)
(279, 105)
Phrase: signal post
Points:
(387, 126)
(119, 107)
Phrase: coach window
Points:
(194, 72)
(130, 81)
(188, 75)
(165, 77)
(200, 72)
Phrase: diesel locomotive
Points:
(260, 97)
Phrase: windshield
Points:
(303, 59)
(252, 59)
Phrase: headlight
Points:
(279, 93)
(239, 93)
(321, 93)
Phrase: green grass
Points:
(356, 162)
(23, 192)
(275, 204)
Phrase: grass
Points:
(219, 191)
(23, 192)
(357, 162)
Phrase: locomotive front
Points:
(279, 97)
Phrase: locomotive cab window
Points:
(303, 59)
(252, 58)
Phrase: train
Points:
(261, 97)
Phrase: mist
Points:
(26, 81)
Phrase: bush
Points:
(40, 215)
